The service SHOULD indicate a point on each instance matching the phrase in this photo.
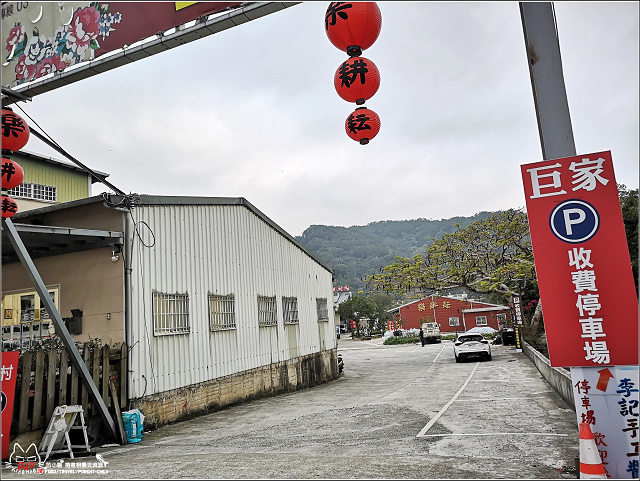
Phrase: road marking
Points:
(491, 434)
(504, 380)
(438, 355)
(443, 347)
(446, 406)
(500, 399)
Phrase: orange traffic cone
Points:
(591, 466)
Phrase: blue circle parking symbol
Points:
(574, 221)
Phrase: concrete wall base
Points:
(557, 377)
(214, 395)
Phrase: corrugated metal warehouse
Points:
(218, 304)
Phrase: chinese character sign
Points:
(9, 372)
(517, 309)
(607, 400)
(586, 285)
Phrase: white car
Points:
(471, 344)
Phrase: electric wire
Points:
(47, 139)
(127, 202)
(144, 304)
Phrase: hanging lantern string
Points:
(54, 145)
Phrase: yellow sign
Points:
(181, 5)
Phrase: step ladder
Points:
(56, 437)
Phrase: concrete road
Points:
(401, 412)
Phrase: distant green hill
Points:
(357, 252)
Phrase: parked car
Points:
(471, 345)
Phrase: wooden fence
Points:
(48, 379)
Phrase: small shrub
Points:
(401, 340)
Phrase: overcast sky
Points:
(252, 112)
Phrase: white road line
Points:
(443, 347)
(500, 399)
(504, 380)
(491, 434)
(446, 406)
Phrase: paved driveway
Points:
(401, 412)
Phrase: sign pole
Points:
(547, 80)
(605, 396)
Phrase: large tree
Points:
(357, 308)
(491, 256)
(629, 206)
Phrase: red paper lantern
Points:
(15, 131)
(362, 125)
(353, 26)
(8, 206)
(357, 80)
(12, 174)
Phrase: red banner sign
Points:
(9, 372)
(589, 302)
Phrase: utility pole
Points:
(547, 80)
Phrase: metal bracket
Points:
(61, 329)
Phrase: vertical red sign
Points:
(9, 372)
(589, 301)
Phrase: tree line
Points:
(490, 255)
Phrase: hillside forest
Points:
(357, 252)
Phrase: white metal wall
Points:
(218, 249)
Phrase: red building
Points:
(454, 314)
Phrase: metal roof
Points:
(45, 241)
(61, 163)
(38, 237)
(496, 307)
(453, 298)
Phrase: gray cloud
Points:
(252, 112)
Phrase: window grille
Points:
(170, 314)
(222, 312)
(290, 310)
(481, 321)
(35, 191)
(267, 311)
(454, 321)
(321, 307)
(501, 317)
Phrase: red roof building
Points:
(453, 314)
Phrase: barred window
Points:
(222, 312)
(267, 311)
(321, 307)
(170, 314)
(290, 310)
(481, 320)
(35, 191)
